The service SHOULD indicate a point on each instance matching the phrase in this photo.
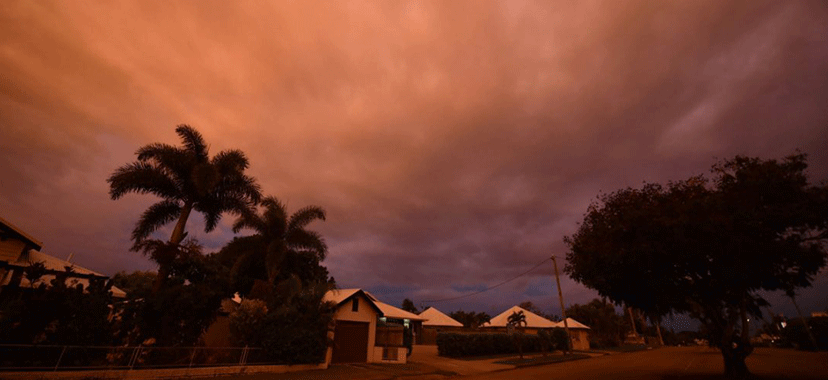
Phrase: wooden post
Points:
(563, 309)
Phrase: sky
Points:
(453, 143)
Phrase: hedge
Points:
(459, 345)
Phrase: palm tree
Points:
(284, 247)
(186, 179)
(518, 319)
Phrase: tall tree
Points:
(282, 246)
(281, 266)
(707, 248)
(408, 305)
(186, 179)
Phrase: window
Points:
(355, 305)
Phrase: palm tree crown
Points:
(186, 179)
(287, 248)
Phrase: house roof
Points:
(389, 311)
(340, 296)
(437, 318)
(20, 234)
(573, 324)
(532, 320)
(53, 263)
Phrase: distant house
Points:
(436, 322)
(578, 332)
(19, 250)
(367, 330)
(534, 322)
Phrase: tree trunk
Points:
(734, 362)
(658, 330)
(176, 238)
(805, 324)
(632, 321)
(178, 234)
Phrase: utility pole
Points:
(563, 309)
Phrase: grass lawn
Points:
(538, 360)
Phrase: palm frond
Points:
(306, 215)
(153, 218)
(304, 240)
(142, 178)
(193, 141)
(230, 161)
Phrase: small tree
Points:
(707, 248)
(516, 321)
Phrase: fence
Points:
(14, 357)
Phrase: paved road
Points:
(673, 363)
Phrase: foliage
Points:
(408, 305)
(707, 248)
(280, 266)
(137, 284)
(186, 179)
(282, 248)
(462, 345)
(470, 319)
(294, 332)
(179, 313)
(606, 326)
(60, 312)
(517, 319)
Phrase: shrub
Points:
(460, 345)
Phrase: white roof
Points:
(532, 320)
(437, 318)
(573, 324)
(337, 296)
(53, 263)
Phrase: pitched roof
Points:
(532, 320)
(437, 318)
(11, 228)
(53, 263)
(339, 296)
(573, 324)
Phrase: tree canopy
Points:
(707, 247)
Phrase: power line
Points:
(489, 288)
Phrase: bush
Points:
(460, 345)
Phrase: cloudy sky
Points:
(453, 144)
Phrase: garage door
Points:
(350, 342)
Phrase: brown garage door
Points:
(350, 342)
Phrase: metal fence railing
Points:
(16, 357)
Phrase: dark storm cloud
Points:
(453, 144)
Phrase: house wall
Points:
(10, 249)
(366, 313)
(402, 355)
(580, 339)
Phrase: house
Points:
(534, 322)
(19, 250)
(578, 332)
(436, 322)
(367, 330)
